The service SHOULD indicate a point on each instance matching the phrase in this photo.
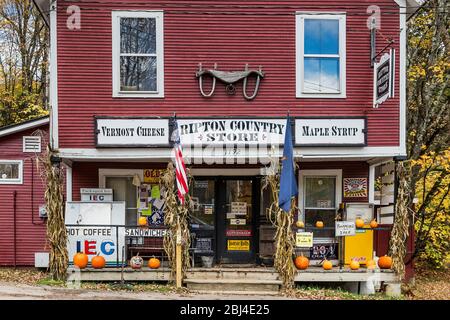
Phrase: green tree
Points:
(23, 62)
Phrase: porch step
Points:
(236, 274)
(242, 293)
(242, 285)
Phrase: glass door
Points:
(236, 222)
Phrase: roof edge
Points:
(18, 127)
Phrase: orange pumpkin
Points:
(373, 223)
(301, 262)
(354, 265)
(359, 223)
(327, 265)
(81, 260)
(154, 263)
(98, 262)
(319, 224)
(370, 264)
(385, 262)
(300, 224)
(142, 221)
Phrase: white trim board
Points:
(103, 173)
(25, 126)
(53, 76)
(164, 154)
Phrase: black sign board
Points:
(384, 78)
(203, 245)
(324, 250)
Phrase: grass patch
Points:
(51, 282)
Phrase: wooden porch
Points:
(233, 279)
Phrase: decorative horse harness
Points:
(229, 78)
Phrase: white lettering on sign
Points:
(132, 132)
(345, 228)
(215, 132)
(336, 131)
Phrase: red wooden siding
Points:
(30, 229)
(231, 33)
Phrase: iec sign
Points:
(384, 78)
(304, 239)
(131, 132)
(330, 131)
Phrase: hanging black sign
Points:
(384, 78)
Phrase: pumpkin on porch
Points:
(81, 260)
(98, 262)
(370, 264)
(354, 265)
(373, 223)
(136, 262)
(319, 224)
(359, 223)
(385, 262)
(142, 221)
(301, 262)
(327, 265)
(300, 224)
(154, 263)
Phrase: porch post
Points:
(178, 259)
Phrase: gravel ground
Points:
(35, 285)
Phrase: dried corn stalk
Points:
(176, 218)
(399, 235)
(283, 221)
(53, 177)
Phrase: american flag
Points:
(180, 168)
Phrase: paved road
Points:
(13, 291)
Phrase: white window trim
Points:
(319, 173)
(299, 37)
(33, 137)
(13, 181)
(113, 173)
(158, 15)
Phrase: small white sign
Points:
(345, 228)
(330, 131)
(237, 222)
(132, 132)
(96, 195)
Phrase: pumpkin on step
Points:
(354, 265)
(154, 263)
(371, 264)
(142, 221)
(98, 262)
(385, 262)
(327, 265)
(301, 262)
(373, 224)
(81, 260)
(136, 262)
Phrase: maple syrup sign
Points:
(330, 131)
(218, 132)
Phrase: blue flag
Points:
(288, 182)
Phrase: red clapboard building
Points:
(22, 218)
(230, 73)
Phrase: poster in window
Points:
(355, 187)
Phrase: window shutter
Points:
(32, 144)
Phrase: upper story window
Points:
(11, 171)
(138, 54)
(320, 46)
